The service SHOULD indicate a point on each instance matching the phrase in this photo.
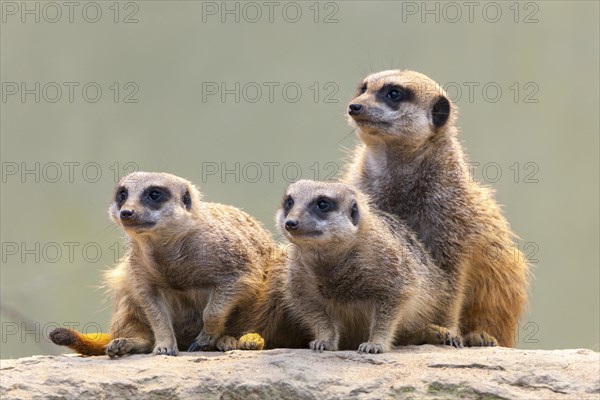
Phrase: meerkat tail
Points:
(88, 344)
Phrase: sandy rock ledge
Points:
(414, 372)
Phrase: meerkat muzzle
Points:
(291, 225)
(127, 215)
(355, 109)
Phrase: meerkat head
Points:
(399, 105)
(320, 212)
(147, 202)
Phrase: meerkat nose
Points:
(127, 215)
(291, 225)
(355, 109)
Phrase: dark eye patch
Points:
(288, 203)
(323, 206)
(362, 88)
(394, 95)
(154, 197)
(121, 196)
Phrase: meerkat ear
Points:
(440, 112)
(194, 193)
(187, 200)
(354, 213)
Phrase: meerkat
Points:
(358, 278)
(412, 165)
(193, 271)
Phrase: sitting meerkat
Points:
(192, 273)
(358, 278)
(412, 165)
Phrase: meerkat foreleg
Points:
(160, 321)
(444, 328)
(382, 327)
(130, 330)
(437, 330)
(214, 317)
(325, 331)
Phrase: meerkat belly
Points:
(185, 307)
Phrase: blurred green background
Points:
(243, 98)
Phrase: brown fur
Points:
(412, 165)
(358, 278)
(271, 317)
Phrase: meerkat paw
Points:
(449, 339)
(204, 342)
(370, 347)
(226, 343)
(120, 347)
(165, 349)
(440, 335)
(479, 339)
(322, 345)
(251, 341)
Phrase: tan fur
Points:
(191, 278)
(414, 167)
(270, 317)
(358, 278)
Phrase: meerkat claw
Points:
(369, 347)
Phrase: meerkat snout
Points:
(355, 109)
(127, 215)
(291, 225)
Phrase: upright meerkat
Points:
(412, 165)
(358, 278)
(192, 273)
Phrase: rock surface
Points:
(414, 372)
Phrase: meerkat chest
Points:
(175, 274)
(343, 283)
(437, 214)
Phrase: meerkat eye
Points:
(394, 95)
(155, 195)
(122, 195)
(362, 89)
(288, 203)
(324, 205)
